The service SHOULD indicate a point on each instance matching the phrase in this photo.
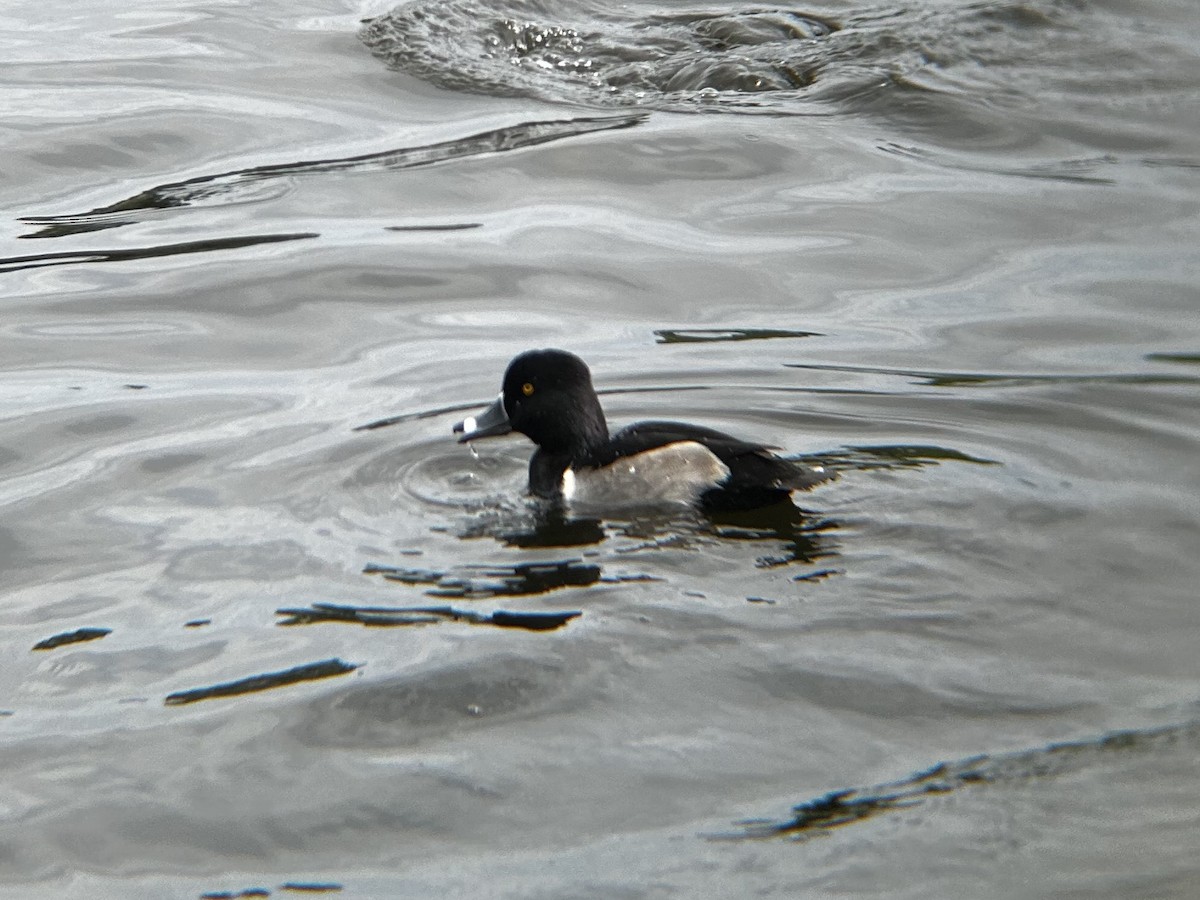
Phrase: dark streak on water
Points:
(867, 459)
(981, 379)
(391, 616)
(477, 582)
(264, 682)
(77, 636)
(758, 59)
(965, 283)
(244, 185)
(295, 887)
(707, 335)
(210, 245)
(618, 55)
(815, 818)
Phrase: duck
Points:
(548, 396)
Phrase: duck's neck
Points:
(591, 437)
(546, 472)
(585, 445)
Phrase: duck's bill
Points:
(492, 422)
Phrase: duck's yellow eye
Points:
(527, 389)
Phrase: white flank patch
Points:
(677, 473)
(468, 425)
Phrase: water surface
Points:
(946, 249)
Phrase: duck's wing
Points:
(750, 465)
(642, 436)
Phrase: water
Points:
(947, 249)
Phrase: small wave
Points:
(266, 182)
(125, 254)
(606, 57)
(760, 58)
(820, 815)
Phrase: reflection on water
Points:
(817, 817)
(210, 245)
(519, 580)
(1190, 359)
(626, 54)
(965, 283)
(549, 528)
(705, 335)
(1084, 170)
(795, 536)
(761, 58)
(77, 636)
(235, 895)
(798, 537)
(866, 459)
(982, 379)
(264, 682)
(298, 887)
(395, 616)
(247, 185)
(784, 533)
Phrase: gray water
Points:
(947, 249)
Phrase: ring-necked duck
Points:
(548, 397)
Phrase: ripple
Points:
(757, 58)
(818, 816)
(105, 329)
(72, 637)
(402, 616)
(266, 681)
(459, 478)
(269, 182)
(125, 254)
(708, 335)
(623, 56)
